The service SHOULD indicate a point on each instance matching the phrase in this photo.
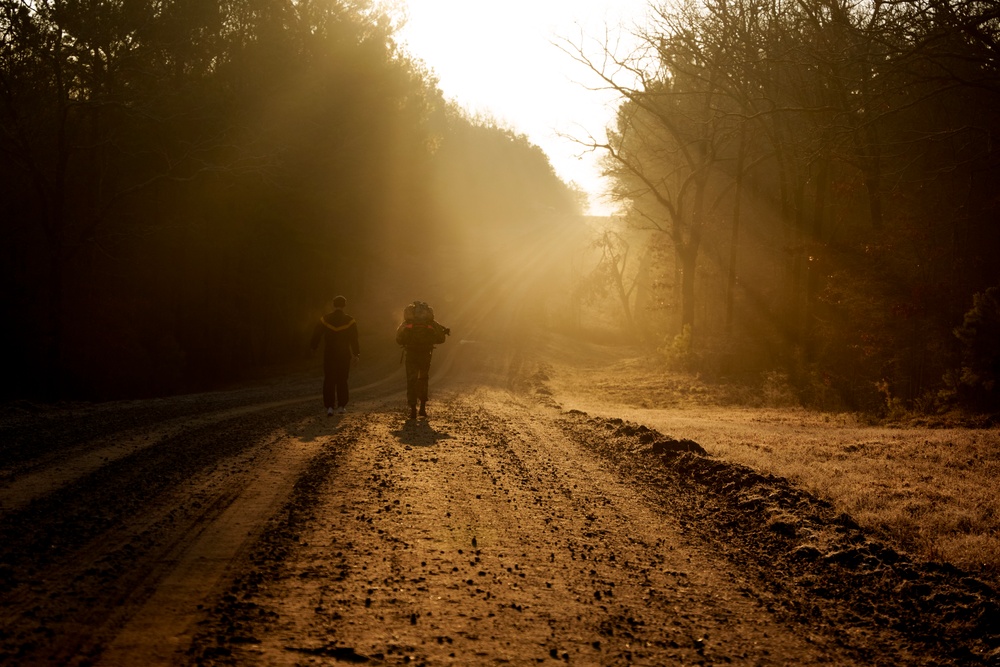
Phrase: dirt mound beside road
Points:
(816, 565)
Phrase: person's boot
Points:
(413, 412)
(423, 410)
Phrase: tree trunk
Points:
(689, 265)
(814, 265)
(623, 296)
(873, 185)
(735, 241)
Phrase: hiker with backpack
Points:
(339, 333)
(418, 334)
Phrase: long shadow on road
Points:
(419, 433)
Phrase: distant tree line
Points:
(819, 178)
(186, 183)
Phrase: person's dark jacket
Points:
(339, 332)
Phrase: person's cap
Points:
(339, 301)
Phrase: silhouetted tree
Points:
(853, 143)
(189, 182)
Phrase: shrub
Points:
(974, 383)
(677, 351)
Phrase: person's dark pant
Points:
(418, 370)
(335, 392)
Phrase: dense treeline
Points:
(823, 177)
(188, 183)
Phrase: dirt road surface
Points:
(247, 528)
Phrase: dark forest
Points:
(809, 194)
(817, 181)
(187, 185)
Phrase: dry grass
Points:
(931, 492)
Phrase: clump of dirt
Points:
(821, 567)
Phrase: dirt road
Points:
(248, 528)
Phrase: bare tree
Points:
(670, 134)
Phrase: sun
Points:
(503, 60)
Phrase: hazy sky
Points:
(498, 57)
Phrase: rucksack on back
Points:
(418, 311)
(419, 328)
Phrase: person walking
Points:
(339, 333)
(418, 334)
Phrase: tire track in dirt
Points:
(162, 628)
(58, 469)
(485, 536)
(75, 565)
(655, 587)
(35, 436)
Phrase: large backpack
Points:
(418, 311)
(419, 328)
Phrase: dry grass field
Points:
(930, 491)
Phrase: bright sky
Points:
(499, 58)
